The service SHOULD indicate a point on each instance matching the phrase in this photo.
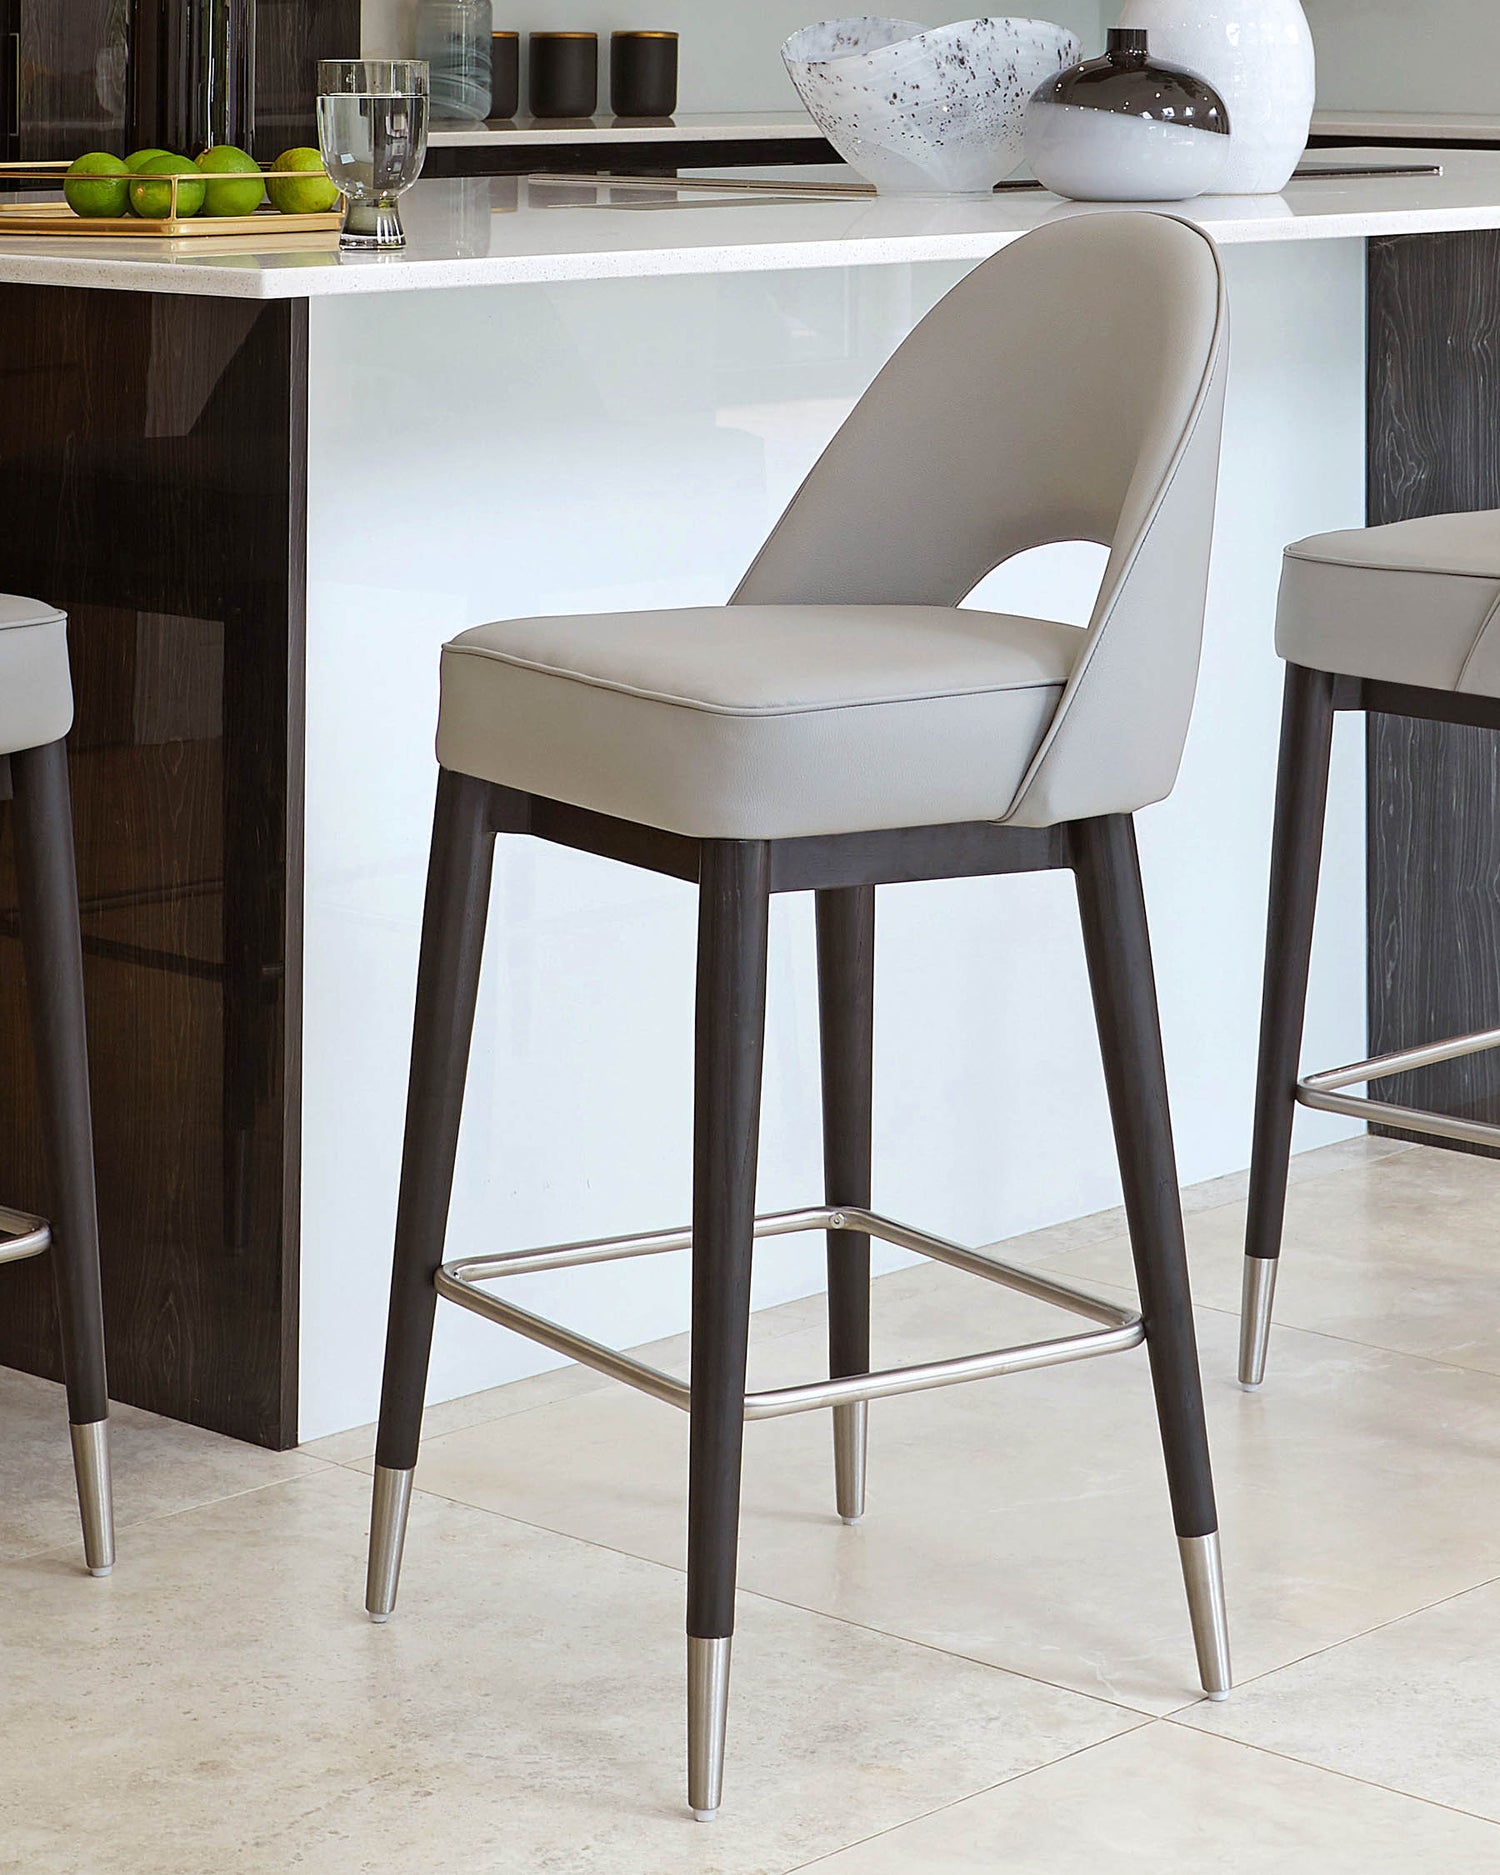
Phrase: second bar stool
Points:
(36, 713)
(1405, 621)
(840, 725)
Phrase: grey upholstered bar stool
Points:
(838, 726)
(36, 713)
(1404, 621)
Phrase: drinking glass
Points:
(372, 130)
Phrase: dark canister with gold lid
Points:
(643, 74)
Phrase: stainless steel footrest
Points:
(22, 1236)
(1119, 1328)
(1325, 1092)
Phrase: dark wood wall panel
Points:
(131, 421)
(291, 36)
(1434, 790)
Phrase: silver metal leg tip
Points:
(705, 1816)
(388, 1514)
(708, 1714)
(95, 1495)
(851, 1445)
(1203, 1574)
(1257, 1301)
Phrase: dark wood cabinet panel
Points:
(67, 74)
(64, 71)
(1434, 789)
(152, 475)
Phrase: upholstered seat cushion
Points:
(36, 692)
(759, 722)
(1417, 603)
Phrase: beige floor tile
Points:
(1025, 1522)
(1106, 1229)
(160, 1466)
(224, 1705)
(357, 1447)
(1415, 1706)
(1397, 1252)
(1158, 1803)
(474, 1409)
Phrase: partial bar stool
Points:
(838, 726)
(1401, 621)
(36, 713)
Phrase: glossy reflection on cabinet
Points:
(152, 484)
(68, 83)
(64, 76)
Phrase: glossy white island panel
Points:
(623, 442)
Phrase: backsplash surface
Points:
(730, 49)
(1393, 55)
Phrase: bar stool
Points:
(1403, 621)
(36, 713)
(838, 726)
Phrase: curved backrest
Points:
(1070, 388)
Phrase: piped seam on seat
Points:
(31, 624)
(1380, 567)
(769, 710)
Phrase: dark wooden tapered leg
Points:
(846, 1002)
(1118, 944)
(47, 881)
(733, 920)
(453, 926)
(1296, 859)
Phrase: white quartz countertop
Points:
(685, 127)
(497, 231)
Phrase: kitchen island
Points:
(269, 482)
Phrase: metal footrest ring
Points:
(1325, 1091)
(22, 1236)
(1119, 1328)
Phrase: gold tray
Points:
(56, 218)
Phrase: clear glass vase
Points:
(453, 36)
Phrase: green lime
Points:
(97, 198)
(313, 195)
(145, 159)
(152, 201)
(232, 198)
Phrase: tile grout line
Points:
(183, 1510)
(955, 1803)
(1056, 1268)
(1330, 1770)
(1051, 1266)
(817, 1614)
(1302, 1764)
(1317, 1653)
(1172, 1713)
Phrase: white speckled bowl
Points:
(922, 112)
